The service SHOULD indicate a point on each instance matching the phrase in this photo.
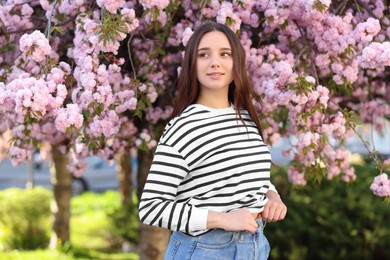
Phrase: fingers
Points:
(252, 222)
(273, 212)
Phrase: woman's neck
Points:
(214, 100)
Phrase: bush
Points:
(25, 218)
(90, 225)
(125, 221)
(331, 220)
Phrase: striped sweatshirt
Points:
(206, 159)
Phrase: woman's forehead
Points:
(214, 40)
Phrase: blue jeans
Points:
(219, 244)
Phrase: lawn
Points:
(92, 235)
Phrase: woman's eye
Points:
(202, 54)
(226, 54)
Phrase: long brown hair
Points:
(240, 90)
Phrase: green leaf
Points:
(86, 114)
(145, 13)
(284, 25)
(99, 109)
(101, 141)
(91, 147)
(138, 113)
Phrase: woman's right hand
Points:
(237, 220)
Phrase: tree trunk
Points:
(124, 174)
(153, 241)
(61, 180)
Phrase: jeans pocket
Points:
(221, 243)
(172, 248)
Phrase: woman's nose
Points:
(215, 63)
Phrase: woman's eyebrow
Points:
(207, 49)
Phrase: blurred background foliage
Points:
(328, 220)
(331, 220)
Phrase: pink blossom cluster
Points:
(128, 15)
(126, 100)
(111, 5)
(160, 4)
(186, 35)
(19, 18)
(176, 35)
(36, 44)
(276, 16)
(211, 8)
(34, 97)
(145, 138)
(106, 124)
(69, 117)
(19, 155)
(226, 15)
(128, 129)
(365, 32)
(296, 177)
(47, 132)
(77, 168)
(373, 111)
(155, 114)
(375, 55)
(381, 185)
(337, 164)
(72, 7)
(161, 17)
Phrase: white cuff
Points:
(198, 220)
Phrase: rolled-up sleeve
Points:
(158, 206)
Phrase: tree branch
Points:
(49, 20)
(131, 60)
(370, 12)
(37, 28)
(341, 7)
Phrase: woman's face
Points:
(214, 62)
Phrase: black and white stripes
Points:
(207, 159)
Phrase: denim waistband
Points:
(220, 234)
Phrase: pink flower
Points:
(106, 124)
(77, 168)
(375, 55)
(35, 43)
(186, 35)
(366, 31)
(381, 185)
(111, 5)
(19, 155)
(296, 177)
(160, 4)
(69, 117)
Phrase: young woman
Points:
(210, 177)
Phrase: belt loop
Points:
(241, 237)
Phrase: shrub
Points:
(331, 220)
(25, 218)
(125, 221)
(90, 225)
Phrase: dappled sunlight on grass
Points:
(34, 255)
(92, 234)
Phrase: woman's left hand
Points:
(275, 209)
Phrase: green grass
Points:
(78, 254)
(34, 255)
(92, 235)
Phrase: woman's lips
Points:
(215, 75)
